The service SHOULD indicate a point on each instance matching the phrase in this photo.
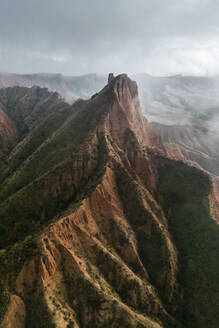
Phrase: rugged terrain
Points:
(102, 223)
(171, 100)
(184, 110)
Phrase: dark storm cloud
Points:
(76, 37)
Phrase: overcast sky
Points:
(160, 37)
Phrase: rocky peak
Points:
(123, 86)
(110, 77)
(125, 113)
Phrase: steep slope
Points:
(101, 228)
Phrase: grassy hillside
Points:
(185, 199)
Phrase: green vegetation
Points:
(4, 299)
(185, 192)
(70, 324)
(40, 318)
(11, 261)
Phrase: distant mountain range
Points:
(169, 100)
(174, 100)
(184, 110)
(70, 87)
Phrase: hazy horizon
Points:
(160, 38)
(105, 74)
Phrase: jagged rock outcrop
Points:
(110, 77)
(99, 218)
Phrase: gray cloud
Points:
(77, 37)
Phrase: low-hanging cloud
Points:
(77, 37)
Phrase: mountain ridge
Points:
(100, 237)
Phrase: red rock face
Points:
(108, 258)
